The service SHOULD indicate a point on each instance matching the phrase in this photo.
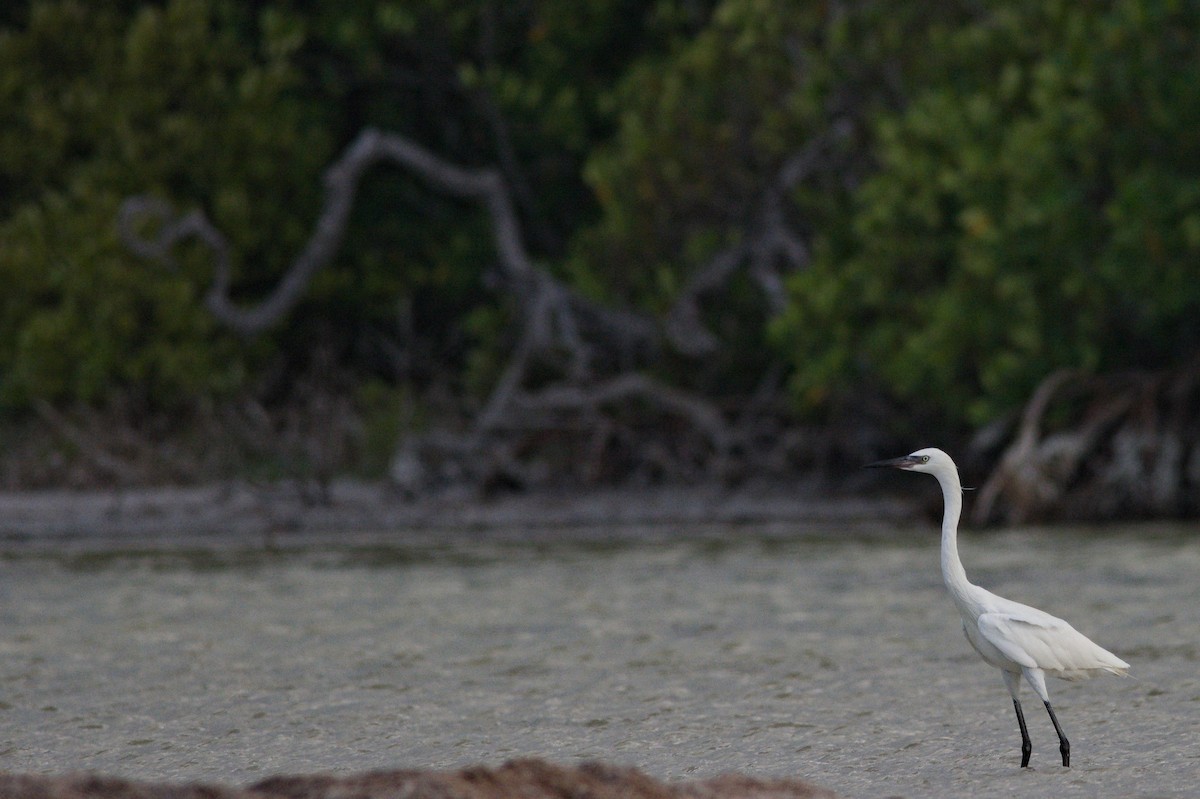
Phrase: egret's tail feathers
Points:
(1101, 662)
(1112, 664)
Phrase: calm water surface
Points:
(833, 657)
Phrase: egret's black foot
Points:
(1026, 744)
(1064, 745)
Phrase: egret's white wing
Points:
(1039, 640)
(1003, 632)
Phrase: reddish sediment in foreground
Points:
(518, 779)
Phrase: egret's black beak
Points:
(907, 462)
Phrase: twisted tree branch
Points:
(554, 319)
(768, 245)
(544, 297)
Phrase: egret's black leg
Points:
(1026, 744)
(1064, 745)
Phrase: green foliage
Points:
(1035, 207)
(102, 102)
(237, 108)
(707, 126)
(701, 129)
(78, 321)
(999, 191)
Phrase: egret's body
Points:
(1017, 639)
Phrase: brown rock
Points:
(517, 779)
(91, 786)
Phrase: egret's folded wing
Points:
(1023, 641)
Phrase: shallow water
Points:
(833, 657)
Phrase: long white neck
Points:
(953, 573)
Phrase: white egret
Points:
(1015, 638)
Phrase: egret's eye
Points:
(924, 459)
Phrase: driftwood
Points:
(597, 349)
(1092, 447)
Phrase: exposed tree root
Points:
(1101, 447)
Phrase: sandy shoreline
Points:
(238, 513)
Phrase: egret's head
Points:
(931, 460)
